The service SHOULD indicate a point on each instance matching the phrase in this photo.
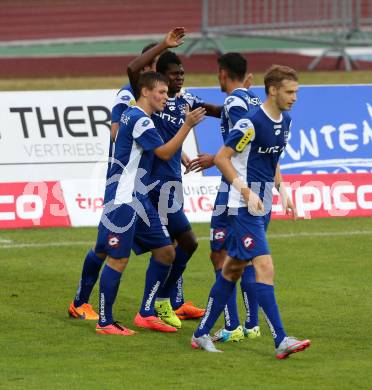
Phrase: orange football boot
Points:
(154, 323)
(114, 328)
(188, 311)
(83, 312)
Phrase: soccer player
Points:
(249, 161)
(125, 98)
(128, 215)
(235, 81)
(170, 305)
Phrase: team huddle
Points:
(143, 206)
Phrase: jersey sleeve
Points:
(146, 135)
(193, 101)
(235, 108)
(123, 100)
(240, 135)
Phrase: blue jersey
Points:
(259, 141)
(168, 122)
(133, 157)
(123, 100)
(235, 106)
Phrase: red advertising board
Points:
(328, 195)
(43, 204)
(25, 205)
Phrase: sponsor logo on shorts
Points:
(219, 235)
(113, 241)
(248, 242)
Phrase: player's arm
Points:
(213, 110)
(287, 203)
(239, 137)
(166, 151)
(236, 108)
(174, 38)
(223, 162)
(114, 130)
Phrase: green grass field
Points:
(323, 284)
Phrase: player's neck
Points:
(143, 105)
(272, 109)
(232, 85)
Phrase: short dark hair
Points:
(165, 59)
(234, 64)
(149, 80)
(276, 74)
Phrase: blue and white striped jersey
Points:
(133, 157)
(259, 141)
(168, 122)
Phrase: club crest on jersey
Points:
(248, 242)
(113, 241)
(245, 140)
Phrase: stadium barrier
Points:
(53, 155)
(80, 202)
(335, 23)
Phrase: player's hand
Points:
(203, 161)
(175, 37)
(290, 208)
(185, 159)
(194, 117)
(254, 203)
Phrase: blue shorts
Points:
(248, 238)
(171, 213)
(122, 229)
(220, 227)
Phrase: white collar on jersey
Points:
(274, 120)
(242, 88)
(141, 110)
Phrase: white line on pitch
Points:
(46, 244)
(314, 234)
(5, 241)
(203, 238)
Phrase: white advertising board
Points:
(57, 135)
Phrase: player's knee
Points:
(188, 242)
(165, 255)
(218, 258)
(264, 270)
(118, 265)
(232, 271)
